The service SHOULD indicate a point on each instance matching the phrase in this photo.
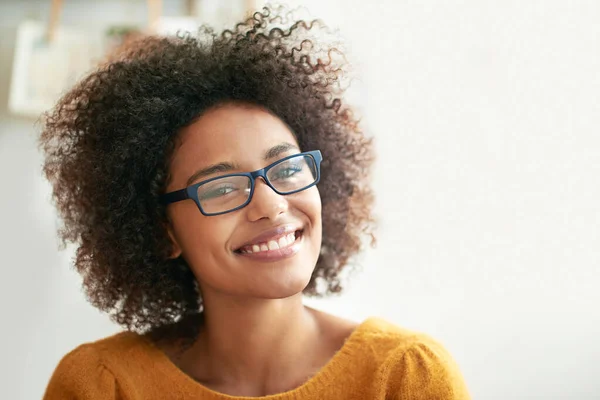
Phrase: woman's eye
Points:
(287, 172)
(217, 192)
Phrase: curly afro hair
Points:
(109, 140)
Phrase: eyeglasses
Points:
(228, 193)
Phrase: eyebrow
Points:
(221, 167)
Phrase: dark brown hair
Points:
(109, 140)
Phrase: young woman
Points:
(209, 184)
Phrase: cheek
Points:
(310, 205)
(199, 236)
(311, 202)
(316, 206)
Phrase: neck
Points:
(256, 341)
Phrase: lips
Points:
(282, 243)
(271, 235)
(274, 254)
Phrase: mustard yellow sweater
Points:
(378, 361)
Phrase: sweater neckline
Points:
(332, 368)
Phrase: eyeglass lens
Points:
(227, 193)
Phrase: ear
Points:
(176, 249)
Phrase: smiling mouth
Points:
(279, 243)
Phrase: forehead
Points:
(232, 132)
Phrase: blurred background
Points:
(485, 115)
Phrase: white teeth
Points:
(282, 242)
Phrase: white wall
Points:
(485, 115)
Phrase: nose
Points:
(265, 203)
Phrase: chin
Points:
(280, 278)
(283, 286)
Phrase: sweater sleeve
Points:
(426, 371)
(80, 375)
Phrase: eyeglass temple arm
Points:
(173, 197)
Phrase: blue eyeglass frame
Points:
(191, 192)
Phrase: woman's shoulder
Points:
(122, 344)
(376, 334)
(380, 340)
(93, 366)
(390, 342)
(112, 353)
(385, 338)
(411, 360)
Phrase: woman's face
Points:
(248, 138)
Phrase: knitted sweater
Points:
(378, 361)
